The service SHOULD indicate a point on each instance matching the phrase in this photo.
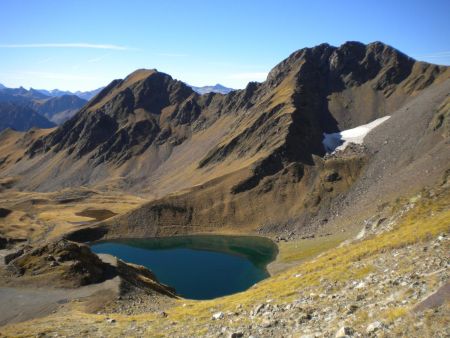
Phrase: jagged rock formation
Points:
(217, 160)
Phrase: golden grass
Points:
(51, 219)
(394, 313)
(300, 250)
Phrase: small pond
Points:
(201, 266)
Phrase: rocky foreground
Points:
(392, 280)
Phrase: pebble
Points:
(344, 331)
(217, 316)
(372, 327)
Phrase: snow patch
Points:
(339, 141)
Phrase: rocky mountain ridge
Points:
(153, 134)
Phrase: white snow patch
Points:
(339, 141)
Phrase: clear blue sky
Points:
(81, 45)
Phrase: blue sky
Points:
(81, 45)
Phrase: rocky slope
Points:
(390, 281)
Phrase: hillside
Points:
(390, 282)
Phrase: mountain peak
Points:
(217, 88)
(139, 75)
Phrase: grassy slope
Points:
(429, 217)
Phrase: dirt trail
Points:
(19, 304)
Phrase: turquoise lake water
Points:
(198, 267)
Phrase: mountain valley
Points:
(340, 157)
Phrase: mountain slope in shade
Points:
(222, 160)
(21, 118)
(218, 88)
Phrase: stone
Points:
(236, 335)
(373, 327)
(217, 316)
(266, 323)
(257, 309)
(304, 317)
(352, 309)
(344, 331)
(110, 320)
(332, 177)
(360, 285)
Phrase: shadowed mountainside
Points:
(21, 118)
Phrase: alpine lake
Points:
(198, 266)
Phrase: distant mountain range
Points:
(23, 109)
(218, 88)
(87, 95)
(19, 117)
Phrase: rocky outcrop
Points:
(70, 265)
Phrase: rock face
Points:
(228, 156)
